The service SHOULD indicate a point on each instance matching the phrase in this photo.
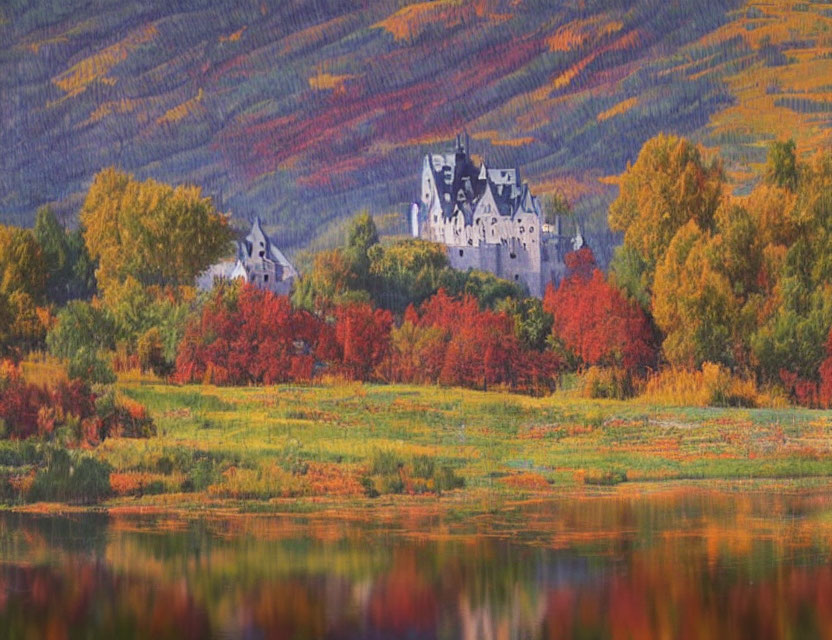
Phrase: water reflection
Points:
(683, 564)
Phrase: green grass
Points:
(565, 439)
(347, 442)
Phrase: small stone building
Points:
(259, 261)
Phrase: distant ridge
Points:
(306, 112)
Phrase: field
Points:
(263, 448)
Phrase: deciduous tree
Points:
(669, 185)
(155, 233)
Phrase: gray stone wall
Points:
(509, 261)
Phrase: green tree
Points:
(407, 272)
(22, 266)
(532, 324)
(487, 288)
(82, 334)
(629, 273)
(362, 235)
(781, 165)
(70, 271)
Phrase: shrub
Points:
(445, 479)
(385, 463)
(712, 385)
(202, 475)
(453, 342)
(423, 466)
(70, 478)
(70, 409)
(291, 459)
(607, 382)
(247, 335)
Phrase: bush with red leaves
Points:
(358, 342)
(595, 322)
(453, 342)
(28, 410)
(246, 335)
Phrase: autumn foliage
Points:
(595, 322)
(245, 335)
(28, 409)
(249, 336)
(452, 341)
(358, 342)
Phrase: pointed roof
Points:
(258, 240)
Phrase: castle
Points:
(259, 261)
(489, 220)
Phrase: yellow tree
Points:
(22, 287)
(669, 185)
(22, 267)
(151, 231)
(694, 302)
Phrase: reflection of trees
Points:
(706, 564)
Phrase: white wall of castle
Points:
(508, 246)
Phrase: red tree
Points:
(824, 392)
(595, 321)
(452, 341)
(359, 341)
(248, 335)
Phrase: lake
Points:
(683, 562)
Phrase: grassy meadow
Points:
(256, 447)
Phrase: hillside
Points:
(306, 112)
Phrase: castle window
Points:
(470, 243)
(516, 276)
(461, 252)
(531, 229)
(512, 255)
(522, 229)
(262, 253)
(265, 277)
(493, 220)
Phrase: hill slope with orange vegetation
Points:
(306, 113)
